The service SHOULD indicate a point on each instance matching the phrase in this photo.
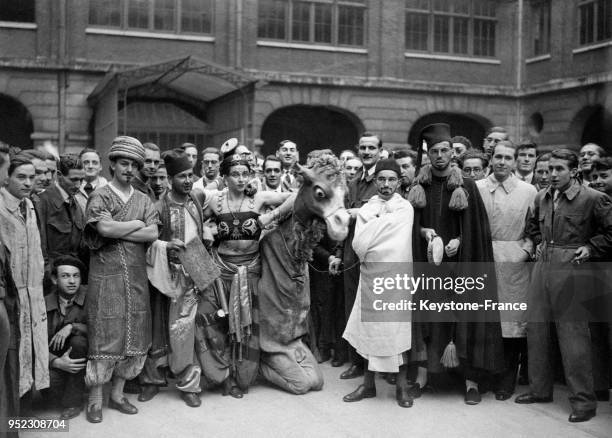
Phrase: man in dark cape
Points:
(450, 207)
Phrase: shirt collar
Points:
(508, 185)
(368, 174)
(12, 203)
(570, 193)
(62, 192)
(52, 299)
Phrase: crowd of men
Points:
(61, 282)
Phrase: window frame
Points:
(453, 17)
(334, 28)
(595, 25)
(540, 7)
(124, 6)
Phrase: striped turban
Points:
(127, 147)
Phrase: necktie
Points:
(556, 198)
(88, 188)
(23, 209)
(286, 181)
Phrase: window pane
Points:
(586, 23)
(271, 19)
(323, 23)
(104, 12)
(196, 16)
(484, 38)
(441, 5)
(418, 4)
(541, 31)
(350, 25)
(164, 15)
(441, 34)
(300, 21)
(484, 8)
(416, 31)
(22, 11)
(604, 19)
(460, 35)
(461, 6)
(138, 14)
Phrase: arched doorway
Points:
(311, 127)
(473, 127)
(16, 125)
(598, 128)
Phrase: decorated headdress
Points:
(127, 147)
(230, 157)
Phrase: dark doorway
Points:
(16, 126)
(311, 127)
(598, 129)
(471, 126)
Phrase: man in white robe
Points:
(383, 243)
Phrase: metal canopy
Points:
(202, 80)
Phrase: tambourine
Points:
(435, 250)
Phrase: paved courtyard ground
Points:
(268, 412)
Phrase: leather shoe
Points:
(148, 392)
(402, 395)
(233, 390)
(472, 397)
(93, 415)
(191, 399)
(528, 398)
(359, 394)
(352, 372)
(69, 413)
(502, 395)
(580, 416)
(124, 407)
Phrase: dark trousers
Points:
(68, 388)
(600, 355)
(514, 348)
(340, 345)
(321, 300)
(575, 344)
(351, 282)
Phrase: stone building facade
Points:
(78, 72)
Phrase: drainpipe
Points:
(238, 33)
(519, 67)
(62, 76)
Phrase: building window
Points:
(20, 11)
(336, 22)
(595, 21)
(459, 27)
(541, 27)
(174, 16)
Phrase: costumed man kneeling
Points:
(181, 233)
(383, 243)
(67, 330)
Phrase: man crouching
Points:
(67, 328)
